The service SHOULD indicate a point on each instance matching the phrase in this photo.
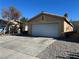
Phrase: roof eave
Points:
(66, 19)
(51, 15)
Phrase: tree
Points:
(12, 15)
(15, 14)
(23, 22)
(5, 13)
(65, 15)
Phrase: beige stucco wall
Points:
(67, 27)
(47, 19)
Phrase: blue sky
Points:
(30, 8)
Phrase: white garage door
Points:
(50, 30)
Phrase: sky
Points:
(30, 8)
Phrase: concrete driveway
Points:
(16, 47)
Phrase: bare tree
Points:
(12, 15)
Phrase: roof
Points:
(43, 13)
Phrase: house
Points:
(3, 24)
(76, 26)
(49, 25)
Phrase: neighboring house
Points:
(76, 25)
(3, 24)
(49, 25)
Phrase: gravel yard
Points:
(16, 47)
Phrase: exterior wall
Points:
(67, 27)
(47, 19)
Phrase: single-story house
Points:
(49, 25)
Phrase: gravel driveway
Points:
(16, 47)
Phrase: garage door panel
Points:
(50, 30)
